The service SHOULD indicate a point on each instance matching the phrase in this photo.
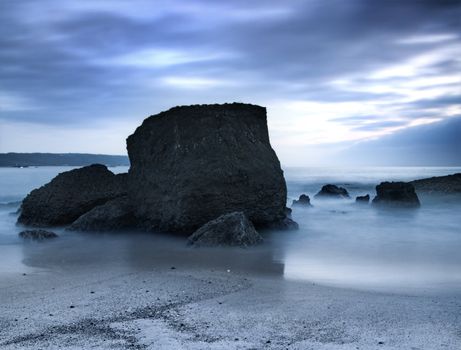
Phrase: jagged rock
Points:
(363, 199)
(397, 194)
(70, 195)
(192, 164)
(117, 214)
(232, 229)
(450, 184)
(37, 235)
(303, 201)
(332, 191)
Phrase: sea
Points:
(339, 243)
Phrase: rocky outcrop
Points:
(117, 214)
(396, 194)
(232, 229)
(303, 201)
(37, 235)
(70, 195)
(332, 191)
(192, 164)
(450, 184)
(363, 199)
(189, 165)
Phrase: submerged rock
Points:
(363, 199)
(117, 214)
(70, 195)
(192, 164)
(450, 184)
(303, 201)
(332, 191)
(232, 229)
(397, 194)
(37, 235)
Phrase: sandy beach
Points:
(140, 295)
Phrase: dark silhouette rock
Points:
(232, 229)
(192, 164)
(37, 235)
(450, 184)
(332, 191)
(116, 214)
(285, 224)
(303, 201)
(70, 195)
(363, 199)
(396, 194)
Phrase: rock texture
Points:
(191, 164)
(332, 191)
(232, 229)
(37, 235)
(363, 199)
(303, 201)
(397, 194)
(117, 214)
(70, 195)
(450, 184)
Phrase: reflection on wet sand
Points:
(141, 251)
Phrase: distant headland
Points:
(60, 159)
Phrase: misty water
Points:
(339, 243)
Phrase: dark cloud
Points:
(436, 144)
(72, 63)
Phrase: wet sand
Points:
(118, 295)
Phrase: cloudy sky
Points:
(79, 76)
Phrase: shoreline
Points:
(77, 301)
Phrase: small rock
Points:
(362, 199)
(232, 229)
(332, 191)
(72, 306)
(303, 201)
(37, 235)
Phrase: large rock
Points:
(232, 229)
(192, 164)
(332, 191)
(117, 214)
(396, 194)
(37, 235)
(70, 195)
(450, 184)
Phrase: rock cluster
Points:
(396, 194)
(189, 165)
(332, 191)
(232, 229)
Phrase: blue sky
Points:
(79, 76)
